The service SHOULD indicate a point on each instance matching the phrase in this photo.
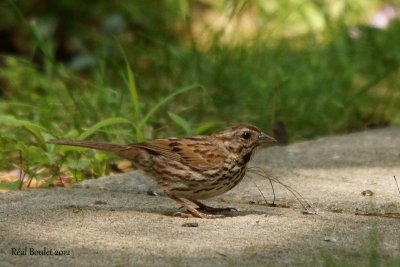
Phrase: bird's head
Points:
(242, 139)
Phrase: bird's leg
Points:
(194, 211)
(204, 207)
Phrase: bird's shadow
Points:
(157, 205)
(170, 212)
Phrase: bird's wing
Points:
(198, 153)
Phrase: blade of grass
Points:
(33, 128)
(180, 121)
(133, 90)
(134, 96)
(166, 100)
(135, 102)
(101, 124)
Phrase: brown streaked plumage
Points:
(193, 168)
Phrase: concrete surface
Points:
(112, 221)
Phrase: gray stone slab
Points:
(113, 221)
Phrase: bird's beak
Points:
(265, 138)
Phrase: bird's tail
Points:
(128, 152)
(89, 144)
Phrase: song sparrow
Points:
(193, 168)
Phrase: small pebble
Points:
(329, 239)
(367, 193)
(152, 193)
(309, 212)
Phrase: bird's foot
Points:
(205, 208)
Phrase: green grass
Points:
(133, 71)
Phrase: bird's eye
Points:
(246, 135)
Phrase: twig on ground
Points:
(393, 215)
(398, 188)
